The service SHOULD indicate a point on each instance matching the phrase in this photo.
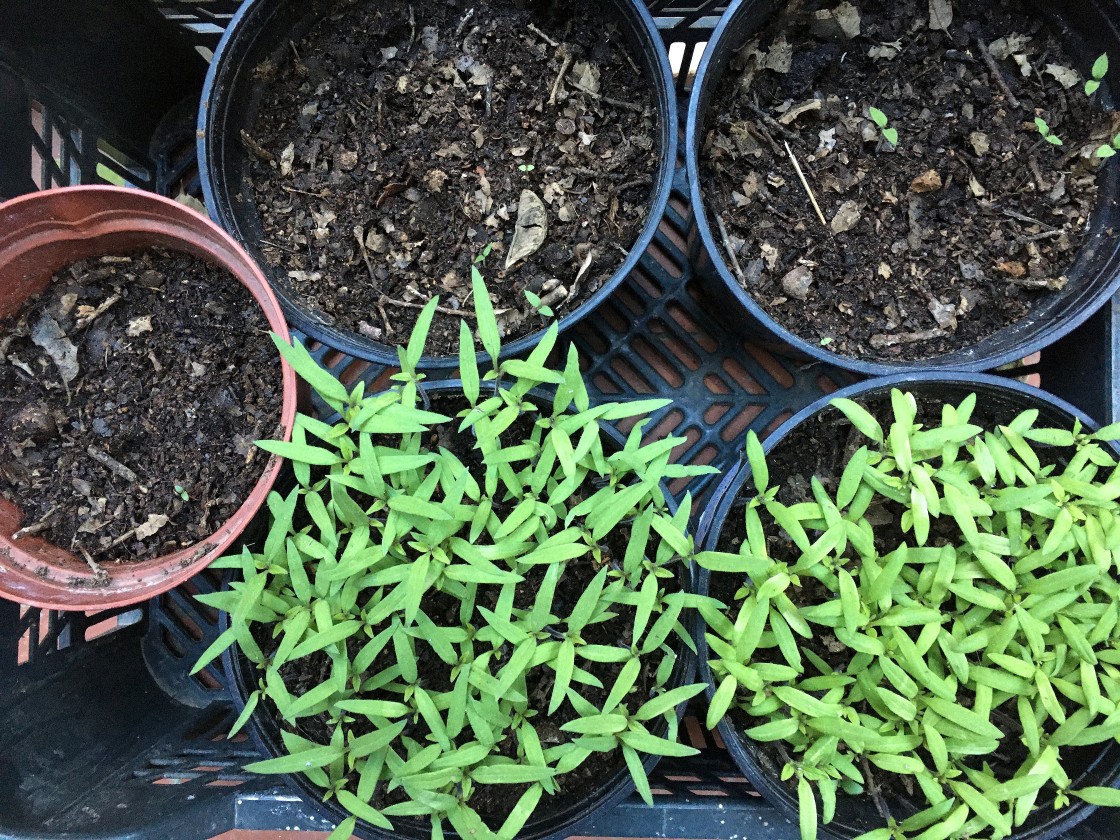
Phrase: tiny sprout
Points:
(827, 340)
(535, 302)
(181, 493)
(484, 254)
(1109, 149)
(1100, 70)
(526, 167)
(1044, 130)
(880, 119)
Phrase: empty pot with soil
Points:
(369, 153)
(138, 372)
(919, 615)
(875, 186)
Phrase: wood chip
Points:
(940, 14)
(531, 229)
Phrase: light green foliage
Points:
(1108, 150)
(972, 601)
(880, 119)
(395, 558)
(1044, 129)
(1099, 71)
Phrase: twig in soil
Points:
(101, 575)
(1040, 182)
(464, 20)
(412, 25)
(384, 319)
(304, 192)
(996, 73)
(115, 467)
(784, 132)
(1028, 219)
(1053, 285)
(873, 789)
(560, 76)
(730, 251)
(256, 148)
(359, 235)
(805, 184)
(618, 103)
(278, 247)
(36, 527)
(1046, 234)
(636, 182)
(532, 28)
(466, 313)
(85, 321)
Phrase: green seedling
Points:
(448, 580)
(880, 119)
(1047, 134)
(537, 304)
(181, 493)
(526, 167)
(1109, 149)
(1099, 71)
(947, 606)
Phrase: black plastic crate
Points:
(103, 733)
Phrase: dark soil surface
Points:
(494, 802)
(397, 140)
(821, 447)
(930, 246)
(138, 442)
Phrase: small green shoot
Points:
(1100, 70)
(181, 493)
(1109, 149)
(535, 302)
(880, 119)
(526, 167)
(1044, 129)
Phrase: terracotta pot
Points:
(43, 232)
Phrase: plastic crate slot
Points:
(115, 167)
(657, 363)
(681, 317)
(226, 783)
(770, 364)
(775, 423)
(632, 300)
(714, 413)
(678, 348)
(647, 284)
(614, 318)
(736, 428)
(52, 149)
(741, 377)
(827, 385)
(715, 384)
(666, 258)
(605, 385)
(631, 377)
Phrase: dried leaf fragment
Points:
(847, 217)
(940, 14)
(139, 325)
(928, 181)
(531, 228)
(49, 335)
(149, 528)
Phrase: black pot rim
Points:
(772, 790)
(720, 41)
(360, 347)
(264, 729)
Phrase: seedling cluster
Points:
(482, 599)
(944, 620)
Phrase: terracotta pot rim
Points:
(34, 572)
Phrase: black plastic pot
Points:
(856, 815)
(265, 730)
(1087, 28)
(262, 29)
